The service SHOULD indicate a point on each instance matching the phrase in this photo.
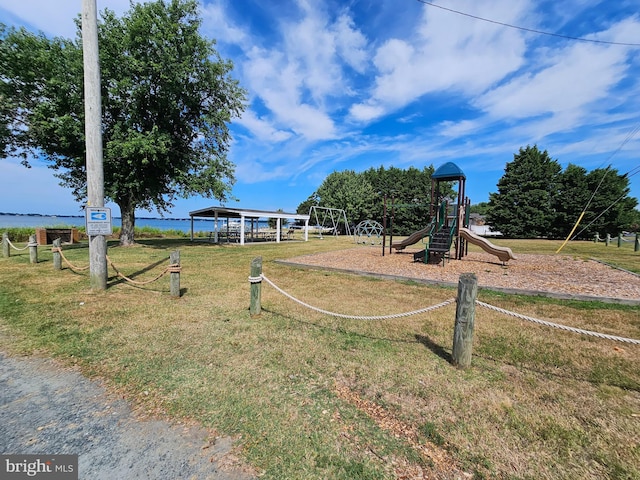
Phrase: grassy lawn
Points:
(308, 396)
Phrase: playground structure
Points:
(331, 218)
(368, 231)
(449, 224)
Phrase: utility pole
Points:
(93, 136)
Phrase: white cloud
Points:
(447, 52)
(350, 43)
(262, 129)
(577, 76)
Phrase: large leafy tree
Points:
(611, 210)
(361, 195)
(524, 204)
(408, 196)
(167, 96)
(570, 199)
(348, 191)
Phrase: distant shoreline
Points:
(45, 215)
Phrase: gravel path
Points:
(49, 409)
(553, 275)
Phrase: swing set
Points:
(328, 219)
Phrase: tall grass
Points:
(314, 397)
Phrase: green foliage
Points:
(523, 206)
(167, 99)
(537, 199)
(361, 195)
(408, 196)
(480, 208)
(349, 191)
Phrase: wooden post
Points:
(98, 272)
(6, 249)
(465, 318)
(33, 249)
(255, 307)
(619, 240)
(636, 247)
(174, 275)
(57, 256)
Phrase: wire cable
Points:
(530, 30)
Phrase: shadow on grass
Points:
(434, 347)
(117, 279)
(421, 339)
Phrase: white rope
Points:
(23, 248)
(561, 327)
(356, 317)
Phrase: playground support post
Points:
(393, 201)
(255, 308)
(465, 320)
(384, 224)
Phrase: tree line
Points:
(535, 198)
(362, 196)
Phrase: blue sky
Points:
(336, 85)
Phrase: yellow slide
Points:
(503, 253)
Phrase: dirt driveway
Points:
(49, 409)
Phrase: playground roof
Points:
(448, 171)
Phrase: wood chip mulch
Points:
(554, 275)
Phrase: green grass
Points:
(536, 403)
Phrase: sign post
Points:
(93, 136)
(98, 221)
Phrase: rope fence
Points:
(353, 317)
(73, 267)
(620, 238)
(255, 280)
(558, 326)
(30, 244)
(174, 269)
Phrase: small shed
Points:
(242, 216)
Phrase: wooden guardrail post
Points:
(174, 275)
(33, 249)
(6, 249)
(465, 319)
(57, 256)
(255, 307)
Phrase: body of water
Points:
(50, 221)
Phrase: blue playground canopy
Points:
(448, 171)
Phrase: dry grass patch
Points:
(536, 403)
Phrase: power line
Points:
(530, 30)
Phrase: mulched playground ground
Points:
(560, 276)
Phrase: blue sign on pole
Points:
(98, 221)
(98, 216)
